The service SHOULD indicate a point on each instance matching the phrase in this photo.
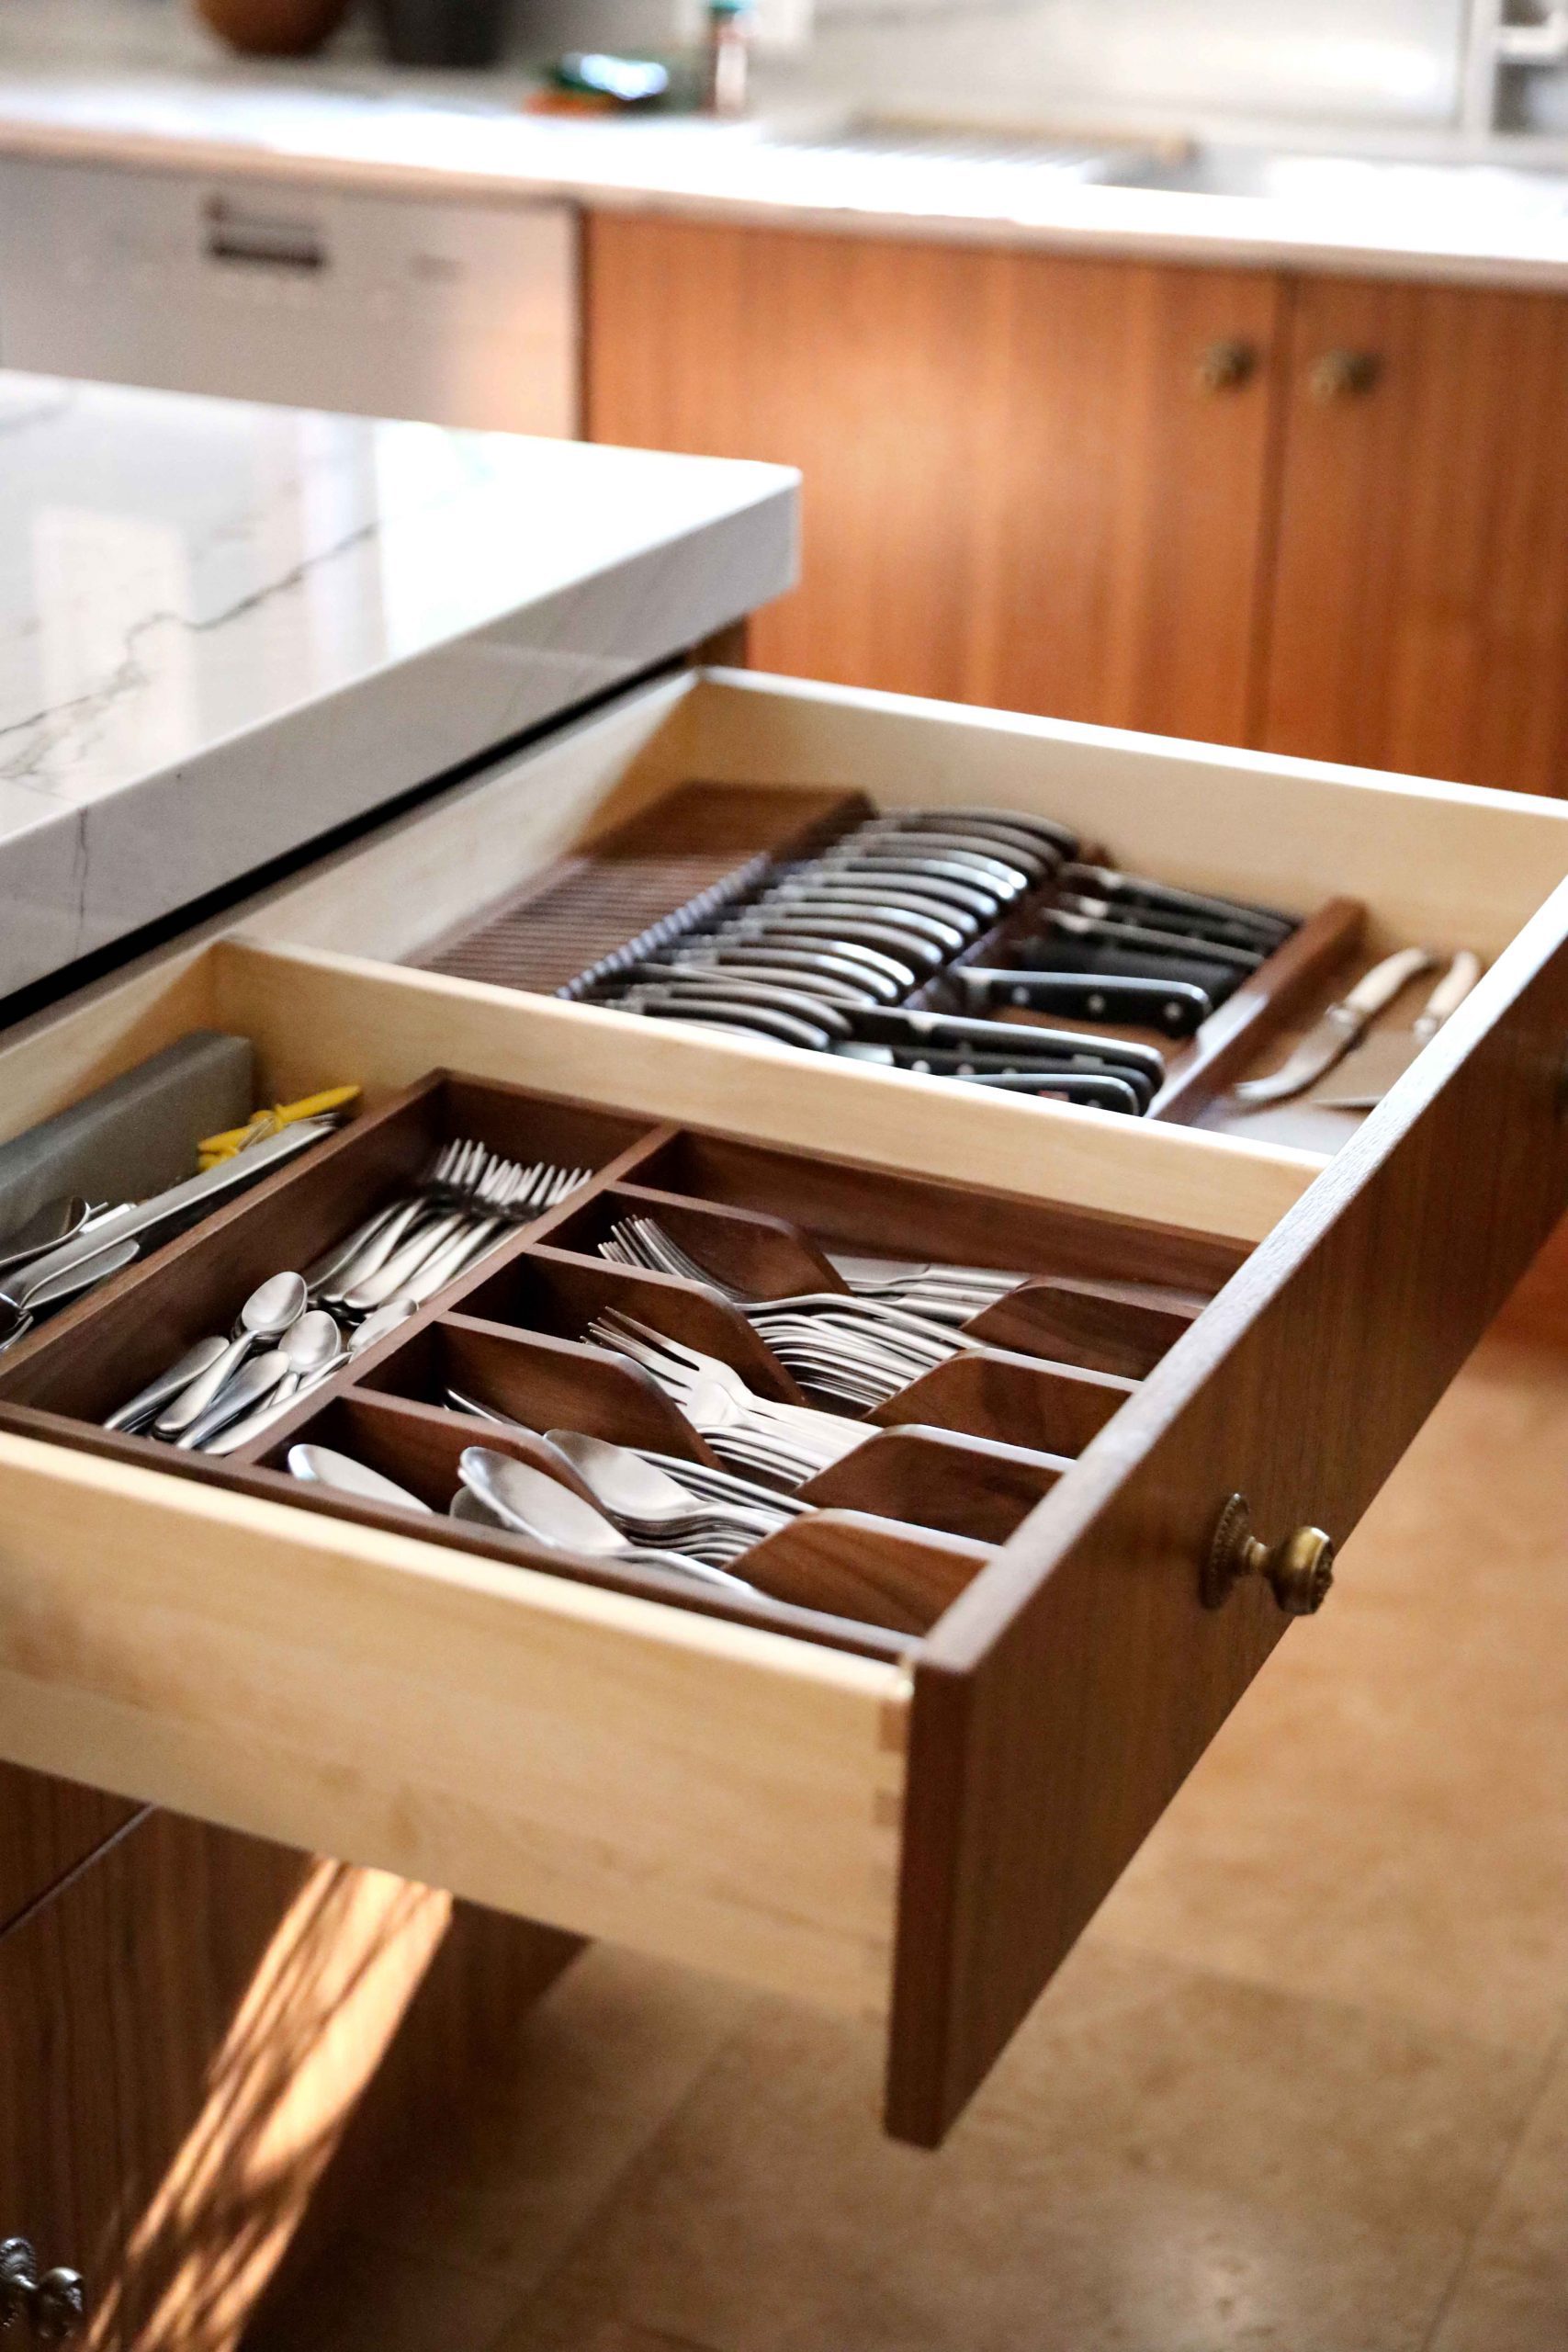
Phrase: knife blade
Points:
(1098, 1090)
(1331, 1037)
(1233, 919)
(1056, 956)
(824, 1026)
(1089, 919)
(1175, 1007)
(1364, 1077)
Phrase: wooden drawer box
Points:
(916, 1827)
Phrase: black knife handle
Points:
(956, 1033)
(1114, 929)
(1111, 1092)
(1034, 1069)
(1174, 1007)
(1216, 980)
(1235, 920)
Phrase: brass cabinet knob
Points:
(1298, 1570)
(54, 2305)
(1227, 365)
(1343, 375)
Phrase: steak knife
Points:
(828, 1026)
(1089, 919)
(1343, 1025)
(1232, 919)
(1059, 954)
(1365, 1076)
(1176, 1007)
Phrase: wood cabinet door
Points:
(1420, 613)
(1019, 489)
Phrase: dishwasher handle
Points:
(237, 234)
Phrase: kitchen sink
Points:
(1350, 184)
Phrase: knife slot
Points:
(695, 850)
(1292, 983)
(970, 1486)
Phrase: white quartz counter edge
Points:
(705, 172)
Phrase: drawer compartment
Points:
(901, 1779)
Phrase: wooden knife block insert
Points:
(706, 845)
(699, 846)
(951, 1466)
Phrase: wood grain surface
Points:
(1013, 480)
(1419, 616)
(1064, 1698)
(188, 2028)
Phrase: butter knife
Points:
(142, 1218)
(1343, 1025)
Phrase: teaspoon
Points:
(56, 1222)
(269, 1311)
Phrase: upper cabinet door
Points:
(1031, 481)
(1420, 619)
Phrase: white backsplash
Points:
(1392, 59)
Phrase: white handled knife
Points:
(1365, 1075)
(1342, 1026)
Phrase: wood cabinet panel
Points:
(1420, 612)
(47, 1828)
(186, 2031)
(846, 356)
(1016, 491)
(1122, 503)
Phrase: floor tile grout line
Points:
(1392, 2012)
(547, 2278)
(1472, 2236)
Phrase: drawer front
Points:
(696, 1789)
(1061, 1700)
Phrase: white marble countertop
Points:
(225, 629)
(143, 86)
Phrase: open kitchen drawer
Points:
(915, 1826)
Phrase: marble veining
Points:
(225, 629)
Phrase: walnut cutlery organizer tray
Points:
(702, 847)
(951, 1466)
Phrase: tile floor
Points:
(1304, 2085)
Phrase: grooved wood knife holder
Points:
(703, 847)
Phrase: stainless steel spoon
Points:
(627, 1486)
(320, 1465)
(147, 1401)
(43, 1231)
(269, 1311)
(312, 1348)
(256, 1378)
(538, 1506)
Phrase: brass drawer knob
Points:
(1344, 375)
(1227, 365)
(54, 2305)
(1298, 1570)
